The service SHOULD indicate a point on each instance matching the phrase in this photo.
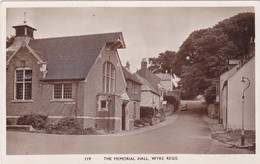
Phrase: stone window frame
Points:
(108, 77)
(62, 92)
(24, 69)
(100, 99)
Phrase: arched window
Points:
(23, 83)
(108, 78)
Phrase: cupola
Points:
(24, 29)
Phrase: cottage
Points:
(231, 90)
(133, 90)
(152, 91)
(76, 76)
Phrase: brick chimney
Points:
(142, 71)
(144, 63)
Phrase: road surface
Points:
(187, 134)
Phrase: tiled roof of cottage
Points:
(149, 76)
(164, 76)
(129, 76)
(147, 85)
(72, 57)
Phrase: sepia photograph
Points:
(130, 80)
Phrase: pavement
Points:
(222, 135)
(185, 132)
(169, 120)
(213, 124)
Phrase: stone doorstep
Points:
(27, 128)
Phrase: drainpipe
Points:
(76, 99)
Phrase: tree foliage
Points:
(210, 94)
(209, 50)
(163, 63)
(204, 55)
(9, 41)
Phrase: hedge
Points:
(35, 120)
(146, 112)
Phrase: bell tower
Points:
(24, 30)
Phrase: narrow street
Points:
(188, 134)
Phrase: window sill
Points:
(67, 101)
(102, 109)
(22, 101)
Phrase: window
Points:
(20, 31)
(30, 32)
(62, 91)
(103, 104)
(23, 84)
(108, 78)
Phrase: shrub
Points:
(69, 126)
(8, 122)
(210, 94)
(138, 122)
(161, 115)
(146, 112)
(147, 120)
(35, 120)
(173, 99)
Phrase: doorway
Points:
(123, 116)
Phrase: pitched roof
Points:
(9, 54)
(149, 76)
(164, 76)
(23, 24)
(72, 57)
(129, 76)
(147, 85)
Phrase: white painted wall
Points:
(147, 99)
(235, 90)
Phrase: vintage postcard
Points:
(158, 82)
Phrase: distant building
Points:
(166, 81)
(77, 76)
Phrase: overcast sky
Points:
(146, 31)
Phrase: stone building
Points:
(75, 76)
(133, 90)
(152, 90)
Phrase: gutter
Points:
(69, 79)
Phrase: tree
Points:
(204, 55)
(9, 41)
(163, 63)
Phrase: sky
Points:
(147, 31)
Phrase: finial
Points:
(24, 17)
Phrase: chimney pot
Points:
(127, 66)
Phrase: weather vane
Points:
(24, 17)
